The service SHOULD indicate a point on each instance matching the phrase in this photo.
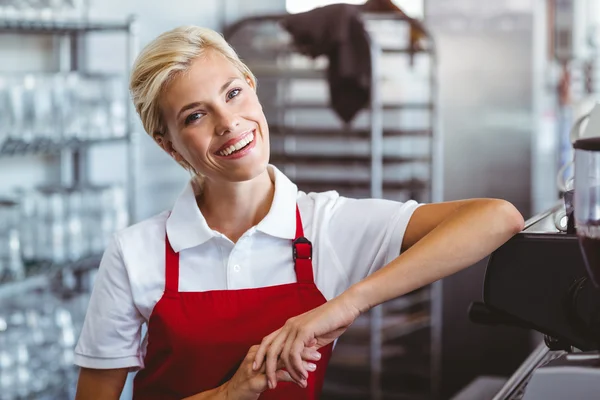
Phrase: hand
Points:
(315, 328)
(248, 383)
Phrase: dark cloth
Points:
(337, 31)
(417, 30)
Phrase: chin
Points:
(248, 172)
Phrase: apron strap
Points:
(171, 268)
(302, 252)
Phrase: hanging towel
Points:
(338, 32)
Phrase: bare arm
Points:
(440, 240)
(100, 384)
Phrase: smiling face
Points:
(215, 122)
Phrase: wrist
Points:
(358, 296)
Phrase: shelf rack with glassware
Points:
(391, 150)
(56, 289)
(71, 151)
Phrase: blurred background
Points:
(466, 98)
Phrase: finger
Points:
(262, 349)
(309, 366)
(285, 357)
(294, 357)
(310, 354)
(272, 357)
(284, 376)
(253, 350)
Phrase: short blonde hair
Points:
(166, 56)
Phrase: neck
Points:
(232, 208)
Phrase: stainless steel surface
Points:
(133, 136)
(376, 124)
(533, 360)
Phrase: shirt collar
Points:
(280, 221)
(187, 227)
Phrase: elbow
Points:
(511, 218)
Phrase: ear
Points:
(167, 145)
(250, 83)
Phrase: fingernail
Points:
(254, 365)
(311, 366)
(304, 383)
(317, 355)
(270, 384)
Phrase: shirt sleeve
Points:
(367, 234)
(111, 333)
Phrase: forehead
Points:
(199, 83)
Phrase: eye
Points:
(233, 93)
(193, 117)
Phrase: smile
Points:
(241, 144)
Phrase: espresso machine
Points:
(547, 278)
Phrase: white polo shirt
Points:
(351, 239)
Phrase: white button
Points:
(236, 268)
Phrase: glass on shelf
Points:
(59, 225)
(44, 10)
(37, 338)
(5, 110)
(51, 229)
(58, 108)
(11, 265)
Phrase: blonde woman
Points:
(246, 282)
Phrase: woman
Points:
(246, 282)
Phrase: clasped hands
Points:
(289, 354)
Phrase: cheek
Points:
(194, 141)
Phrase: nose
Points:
(226, 121)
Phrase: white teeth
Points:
(238, 145)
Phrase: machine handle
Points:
(480, 313)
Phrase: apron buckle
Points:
(302, 248)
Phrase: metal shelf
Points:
(392, 327)
(314, 185)
(61, 27)
(14, 288)
(320, 106)
(358, 356)
(13, 147)
(274, 72)
(334, 160)
(319, 132)
(42, 275)
(405, 302)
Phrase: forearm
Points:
(468, 235)
(219, 393)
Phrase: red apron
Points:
(196, 340)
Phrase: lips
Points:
(236, 144)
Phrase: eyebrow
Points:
(197, 103)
